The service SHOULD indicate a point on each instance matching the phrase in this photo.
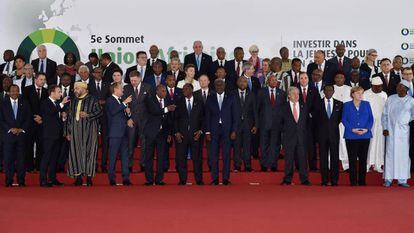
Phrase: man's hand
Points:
(14, 131)
(128, 111)
(171, 108)
(197, 135)
(208, 137)
(386, 133)
(233, 136)
(130, 123)
(178, 137)
(83, 114)
(37, 119)
(128, 100)
(65, 100)
(169, 139)
(254, 130)
(68, 137)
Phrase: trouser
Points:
(32, 161)
(329, 160)
(270, 147)
(220, 138)
(290, 151)
(242, 148)
(14, 158)
(357, 150)
(118, 146)
(181, 158)
(160, 144)
(105, 142)
(63, 154)
(134, 134)
(49, 160)
(208, 149)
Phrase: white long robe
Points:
(398, 112)
(376, 151)
(343, 94)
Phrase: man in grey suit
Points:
(139, 92)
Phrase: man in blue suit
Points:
(118, 113)
(222, 120)
(15, 120)
(157, 77)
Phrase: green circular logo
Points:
(47, 36)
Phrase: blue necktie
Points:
(142, 72)
(328, 110)
(189, 107)
(42, 68)
(220, 102)
(250, 83)
(198, 62)
(317, 87)
(14, 106)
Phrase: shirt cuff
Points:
(165, 110)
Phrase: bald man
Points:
(45, 65)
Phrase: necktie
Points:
(41, 66)
(15, 109)
(158, 80)
(175, 76)
(304, 95)
(317, 86)
(249, 83)
(120, 100)
(38, 93)
(242, 98)
(204, 97)
(142, 72)
(65, 92)
(7, 67)
(136, 92)
(153, 60)
(189, 107)
(220, 102)
(340, 65)
(328, 110)
(198, 62)
(272, 97)
(171, 93)
(295, 113)
(386, 79)
(320, 67)
(238, 68)
(295, 81)
(98, 87)
(161, 103)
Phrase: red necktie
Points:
(340, 65)
(272, 98)
(238, 69)
(171, 93)
(304, 95)
(295, 113)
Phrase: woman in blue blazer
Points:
(358, 120)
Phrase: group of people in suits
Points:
(214, 104)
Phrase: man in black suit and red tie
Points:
(328, 117)
(234, 67)
(52, 131)
(389, 79)
(201, 60)
(45, 65)
(294, 123)
(108, 67)
(342, 62)
(15, 120)
(154, 51)
(329, 69)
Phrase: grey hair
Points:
(83, 67)
(246, 66)
(175, 59)
(292, 89)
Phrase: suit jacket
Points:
(199, 94)
(230, 85)
(158, 121)
(99, 95)
(148, 72)
(366, 71)
(108, 72)
(180, 76)
(150, 80)
(214, 66)
(189, 123)
(7, 120)
(329, 126)
(248, 111)
(229, 115)
(391, 88)
(294, 133)
(117, 118)
(255, 85)
(139, 113)
(2, 66)
(30, 94)
(270, 117)
(205, 64)
(230, 68)
(52, 127)
(329, 71)
(90, 66)
(50, 70)
(164, 64)
(312, 96)
(178, 94)
(346, 66)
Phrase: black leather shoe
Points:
(89, 181)
(200, 183)
(237, 169)
(45, 185)
(162, 183)
(112, 183)
(214, 182)
(286, 183)
(78, 181)
(248, 169)
(334, 184)
(182, 183)
(126, 183)
(306, 183)
(226, 182)
(324, 184)
(263, 169)
(273, 169)
(148, 184)
(56, 183)
(22, 185)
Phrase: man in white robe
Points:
(343, 94)
(376, 98)
(398, 112)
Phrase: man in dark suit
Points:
(329, 69)
(220, 62)
(228, 80)
(8, 66)
(93, 61)
(389, 79)
(175, 70)
(141, 66)
(234, 67)
(117, 112)
(15, 119)
(140, 92)
(154, 51)
(317, 81)
(292, 78)
(52, 131)
(222, 121)
(200, 60)
(157, 77)
(357, 80)
(294, 122)
(342, 62)
(328, 116)
(270, 101)
(108, 67)
(34, 95)
(6, 83)
(100, 90)
(157, 131)
(253, 83)
(309, 96)
(248, 119)
(45, 65)
(188, 129)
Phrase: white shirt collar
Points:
(12, 100)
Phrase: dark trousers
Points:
(270, 147)
(242, 148)
(181, 158)
(64, 154)
(292, 149)
(105, 142)
(208, 149)
(160, 144)
(14, 157)
(1, 155)
(49, 159)
(255, 144)
(134, 134)
(32, 161)
(220, 138)
(311, 146)
(118, 146)
(329, 160)
(357, 150)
